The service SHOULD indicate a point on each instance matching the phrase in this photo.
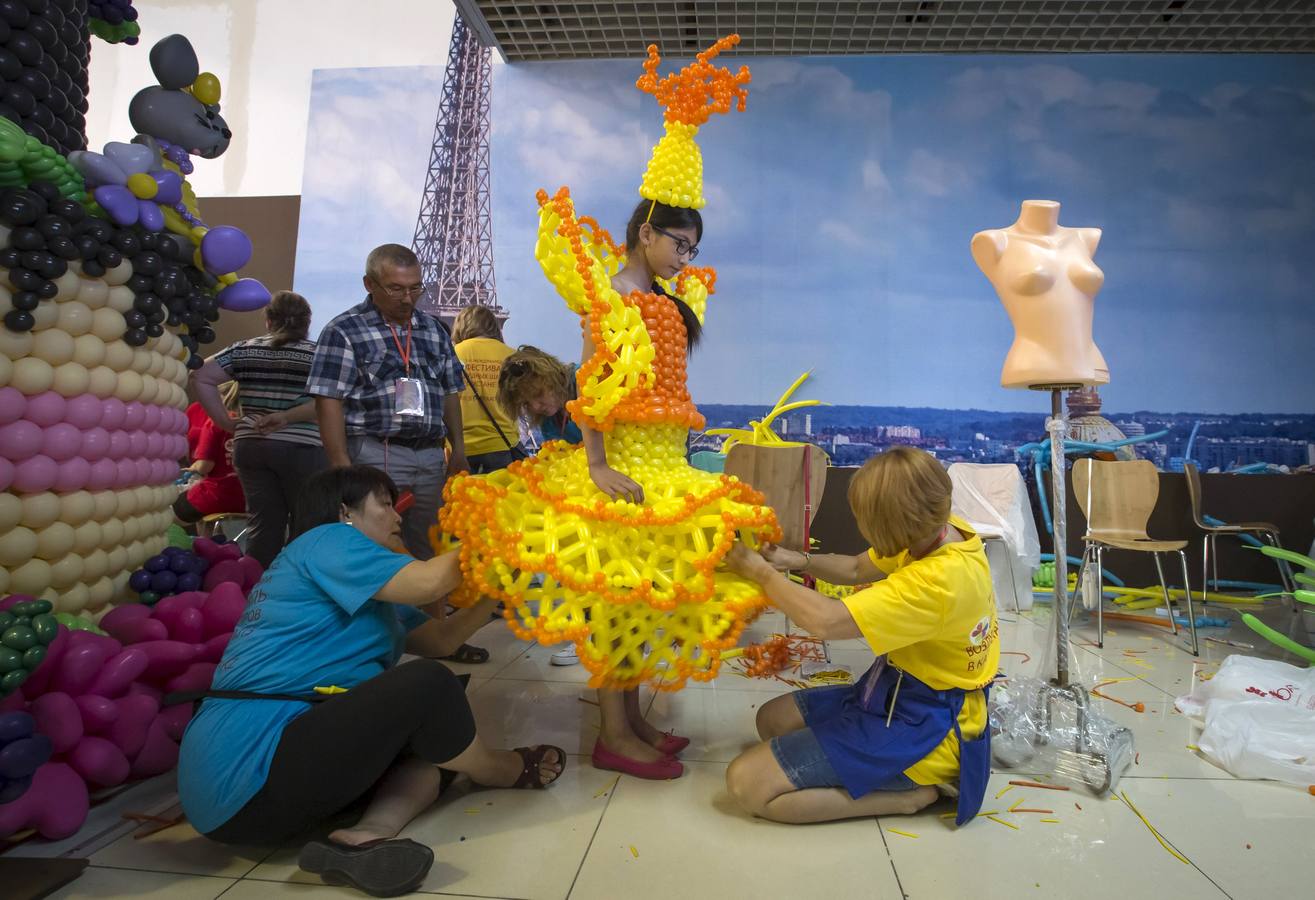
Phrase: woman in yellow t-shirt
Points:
(917, 718)
(491, 436)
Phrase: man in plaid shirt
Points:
(387, 388)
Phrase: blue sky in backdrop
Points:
(841, 205)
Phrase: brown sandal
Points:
(532, 766)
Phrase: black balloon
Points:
(134, 318)
(68, 209)
(26, 48)
(10, 257)
(35, 82)
(25, 301)
(51, 225)
(11, 68)
(64, 248)
(44, 32)
(127, 242)
(15, 12)
(92, 268)
(155, 329)
(20, 207)
(48, 191)
(17, 320)
(19, 99)
(195, 362)
(148, 262)
(109, 257)
(147, 303)
(87, 246)
(27, 238)
(205, 335)
(25, 279)
(48, 290)
(134, 337)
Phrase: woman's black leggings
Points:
(334, 753)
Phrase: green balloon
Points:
(33, 657)
(10, 660)
(76, 623)
(11, 682)
(46, 627)
(150, 598)
(19, 637)
(6, 619)
(24, 610)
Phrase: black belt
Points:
(427, 442)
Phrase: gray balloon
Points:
(174, 62)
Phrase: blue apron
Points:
(866, 752)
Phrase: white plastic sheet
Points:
(1259, 718)
(993, 499)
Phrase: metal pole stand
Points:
(1100, 765)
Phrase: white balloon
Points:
(87, 537)
(101, 591)
(32, 577)
(74, 600)
(54, 346)
(39, 510)
(11, 510)
(68, 285)
(55, 540)
(45, 316)
(71, 379)
(118, 355)
(132, 530)
(18, 546)
(95, 564)
(66, 571)
(31, 375)
(101, 381)
(119, 274)
(141, 360)
(111, 533)
(129, 387)
(77, 507)
(76, 318)
(145, 495)
(88, 350)
(15, 344)
(6, 369)
(127, 503)
(4, 580)
(93, 292)
(6, 299)
(158, 360)
(107, 324)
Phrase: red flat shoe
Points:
(671, 744)
(663, 769)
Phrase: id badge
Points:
(410, 398)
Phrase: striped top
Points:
(271, 379)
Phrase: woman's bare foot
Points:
(627, 743)
(918, 798)
(644, 731)
(363, 832)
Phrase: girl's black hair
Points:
(325, 494)
(669, 217)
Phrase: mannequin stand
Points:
(1100, 766)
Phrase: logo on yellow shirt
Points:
(980, 631)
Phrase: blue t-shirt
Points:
(561, 427)
(311, 621)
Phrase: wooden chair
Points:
(1118, 498)
(1210, 549)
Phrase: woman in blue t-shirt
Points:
(539, 385)
(264, 760)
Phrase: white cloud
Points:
(874, 179)
(843, 234)
(934, 175)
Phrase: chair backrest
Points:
(993, 499)
(1116, 497)
(1193, 476)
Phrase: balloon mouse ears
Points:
(174, 62)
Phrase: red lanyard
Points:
(406, 354)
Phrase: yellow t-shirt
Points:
(483, 358)
(935, 618)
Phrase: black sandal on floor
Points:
(469, 655)
(382, 868)
(531, 776)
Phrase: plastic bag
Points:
(1259, 717)
(993, 499)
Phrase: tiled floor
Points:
(594, 836)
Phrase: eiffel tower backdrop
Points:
(454, 231)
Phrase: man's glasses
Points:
(683, 246)
(397, 292)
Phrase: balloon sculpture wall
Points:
(109, 284)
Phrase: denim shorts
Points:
(800, 754)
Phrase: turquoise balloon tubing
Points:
(1106, 574)
(1040, 453)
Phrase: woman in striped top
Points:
(277, 441)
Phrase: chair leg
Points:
(1284, 570)
(1191, 613)
(1100, 599)
(1164, 585)
(1214, 565)
(1205, 567)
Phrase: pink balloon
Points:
(6, 474)
(46, 408)
(112, 413)
(19, 440)
(59, 719)
(95, 443)
(61, 441)
(190, 627)
(213, 649)
(197, 677)
(138, 689)
(103, 475)
(142, 475)
(79, 667)
(227, 570)
(165, 471)
(223, 608)
(56, 804)
(158, 754)
(12, 405)
(252, 571)
(167, 658)
(154, 444)
(84, 411)
(167, 611)
(37, 682)
(135, 715)
(100, 762)
(125, 473)
(80, 637)
(73, 475)
(119, 445)
(14, 600)
(118, 672)
(151, 422)
(98, 713)
(174, 719)
(137, 443)
(134, 413)
(128, 612)
(135, 631)
(35, 474)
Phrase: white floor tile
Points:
(719, 724)
(511, 713)
(98, 884)
(180, 849)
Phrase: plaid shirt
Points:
(358, 362)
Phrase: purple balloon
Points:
(113, 412)
(170, 187)
(142, 475)
(15, 725)
(45, 408)
(12, 405)
(152, 420)
(157, 563)
(125, 473)
(149, 215)
(188, 581)
(154, 444)
(140, 580)
(6, 474)
(118, 202)
(24, 756)
(19, 440)
(137, 443)
(73, 475)
(244, 295)
(96, 168)
(134, 413)
(120, 445)
(36, 474)
(103, 475)
(83, 411)
(225, 249)
(61, 441)
(164, 581)
(95, 443)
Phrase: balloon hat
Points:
(675, 172)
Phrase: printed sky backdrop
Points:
(841, 205)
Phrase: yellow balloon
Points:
(120, 298)
(11, 511)
(45, 316)
(118, 355)
(100, 592)
(87, 537)
(106, 505)
(206, 88)
(74, 600)
(32, 376)
(6, 370)
(101, 381)
(75, 318)
(55, 540)
(95, 564)
(66, 571)
(68, 285)
(54, 346)
(15, 344)
(19, 545)
(92, 292)
(107, 324)
(88, 350)
(129, 387)
(32, 577)
(143, 186)
(111, 533)
(71, 379)
(119, 274)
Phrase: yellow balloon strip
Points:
(760, 433)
